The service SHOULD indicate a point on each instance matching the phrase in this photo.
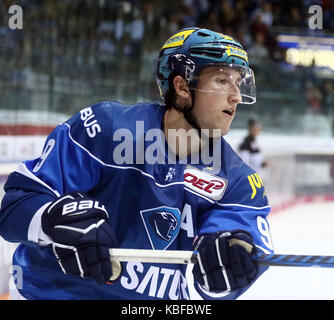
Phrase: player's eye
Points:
(221, 80)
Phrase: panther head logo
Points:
(164, 223)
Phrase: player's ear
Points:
(181, 87)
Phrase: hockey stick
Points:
(187, 257)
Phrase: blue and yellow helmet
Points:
(190, 50)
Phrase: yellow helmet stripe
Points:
(232, 51)
(178, 39)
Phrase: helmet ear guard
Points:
(183, 65)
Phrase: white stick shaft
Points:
(153, 256)
(185, 257)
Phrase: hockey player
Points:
(77, 200)
(249, 149)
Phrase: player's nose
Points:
(235, 97)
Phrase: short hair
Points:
(252, 122)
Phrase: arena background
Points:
(70, 54)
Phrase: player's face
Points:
(217, 96)
(255, 130)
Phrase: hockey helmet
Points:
(190, 50)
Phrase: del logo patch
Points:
(162, 225)
(204, 183)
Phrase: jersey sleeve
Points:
(243, 207)
(72, 160)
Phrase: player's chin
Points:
(223, 128)
(225, 131)
(219, 131)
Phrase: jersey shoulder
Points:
(95, 127)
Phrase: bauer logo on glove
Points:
(73, 207)
(81, 237)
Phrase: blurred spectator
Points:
(212, 23)
(278, 17)
(137, 30)
(189, 14)
(243, 35)
(193, 11)
(328, 11)
(226, 16)
(296, 18)
(267, 14)
(258, 51)
(264, 13)
(328, 97)
(314, 97)
(258, 26)
(332, 171)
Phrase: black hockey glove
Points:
(226, 261)
(81, 236)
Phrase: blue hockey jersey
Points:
(158, 205)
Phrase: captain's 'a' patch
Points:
(162, 225)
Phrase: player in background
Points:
(68, 207)
(249, 149)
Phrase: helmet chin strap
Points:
(187, 113)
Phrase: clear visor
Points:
(228, 79)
